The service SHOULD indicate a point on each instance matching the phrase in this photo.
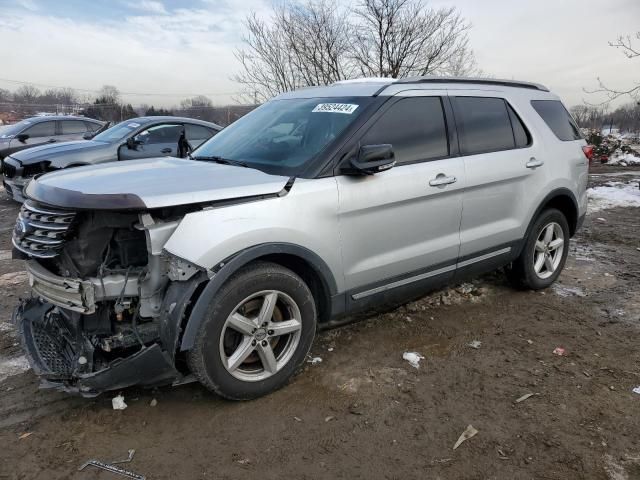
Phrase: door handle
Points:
(534, 163)
(165, 150)
(441, 180)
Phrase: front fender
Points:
(232, 265)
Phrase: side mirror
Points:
(372, 159)
(88, 135)
(23, 137)
(132, 143)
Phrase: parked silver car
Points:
(320, 203)
(36, 131)
(142, 137)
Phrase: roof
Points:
(48, 118)
(169, 118)
(371, 87)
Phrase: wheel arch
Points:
(561, 199)
(305, 263)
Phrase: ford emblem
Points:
(21, 229)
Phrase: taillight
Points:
(588, 152)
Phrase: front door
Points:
(39, 133)
(402, 225)
(156, 141)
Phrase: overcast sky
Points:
(185, 47)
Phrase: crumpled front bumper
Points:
(58, 352)
(14, 188)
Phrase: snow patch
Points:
(565, 291)
(624, 159)
(615, 194)
(13, 366)
(13, 278)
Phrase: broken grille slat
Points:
(41, 231)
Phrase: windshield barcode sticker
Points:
(347, 108)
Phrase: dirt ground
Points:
(363, 411)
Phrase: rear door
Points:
(504, 167)
(38, 134)
(401, 227)
(197, 134)
(70, 130)
(156, 141)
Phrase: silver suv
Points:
(321, 203)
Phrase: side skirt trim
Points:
(432, 273)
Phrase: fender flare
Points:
(232, 264)
(558, 192)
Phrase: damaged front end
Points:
(107, 304)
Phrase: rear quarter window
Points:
(558, 119)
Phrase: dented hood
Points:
(151, 183)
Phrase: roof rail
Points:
(480, 81)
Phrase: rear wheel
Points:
(544, 253)
(258, 332)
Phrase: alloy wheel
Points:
(548, 252)
(260, 335)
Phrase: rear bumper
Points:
(63, 357)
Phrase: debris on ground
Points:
(314, 360)
(297, 419)
(25, 435)
(329, 418)
(117, 402)
(524, 397)
(561, 352)
(153, 403)
(111, 467)
(466, 435)
(413, 358)
(475, 344)
(636, 390)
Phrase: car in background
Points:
(143, 137)
(44, 130)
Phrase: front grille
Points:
(8, 170)
(41, 231)
(55, 353)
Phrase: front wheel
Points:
(544, 253)
(258, 332)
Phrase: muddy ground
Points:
(364, 412)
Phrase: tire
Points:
(542, 261)
(231, 352)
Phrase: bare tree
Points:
(401, 38)
(302, 44)
(319, 42)
(627, 44)
(199, 101)
(26, 94)
(108, 94)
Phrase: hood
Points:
(151, 183)
(53, 151)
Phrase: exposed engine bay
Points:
(107, 302)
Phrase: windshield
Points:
(282, 136)
(10, 131)
(117, 132)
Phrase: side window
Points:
(415, 127)
(42, 129)
(485, 123)
(91, 127)
(70, 127)
(558, 119)
(198, 132)
(160, 134)
(520, 132)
